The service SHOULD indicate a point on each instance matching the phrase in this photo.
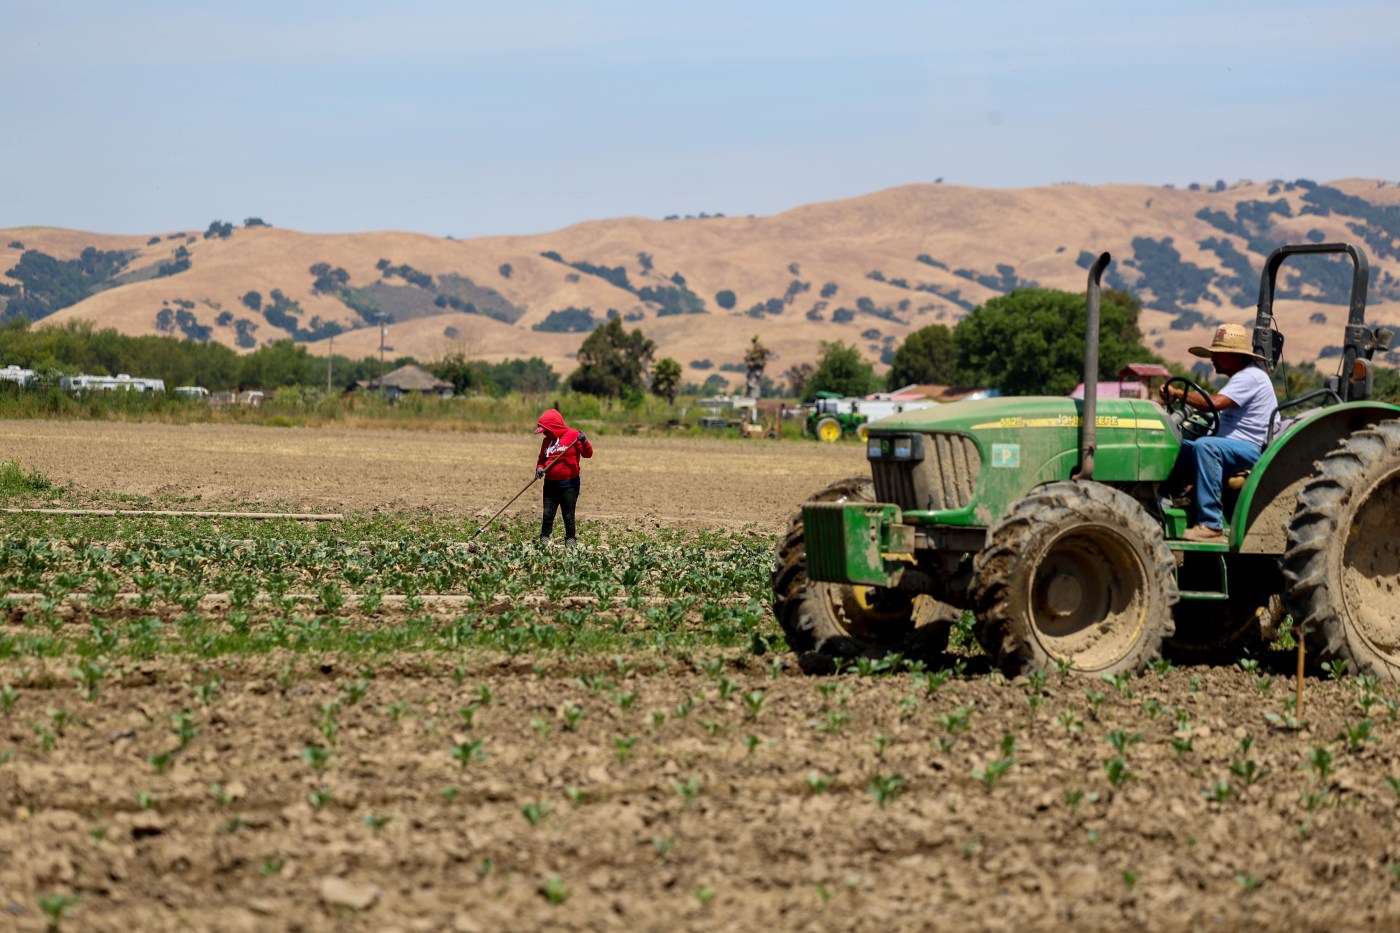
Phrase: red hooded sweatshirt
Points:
(557, 436)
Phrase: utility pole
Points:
(383, 331)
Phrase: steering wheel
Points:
(1194, 422)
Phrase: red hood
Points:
(551, 422)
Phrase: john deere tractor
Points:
(1046, 517)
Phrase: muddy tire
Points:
(1342, 561)
(822, 621)
(1077, 573)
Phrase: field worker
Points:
(558, 466)
(1245, 405)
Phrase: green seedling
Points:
(8, 698)
(1394, 784)
(1122, 741)
(881, 742)
(376, 823)
(88, 674)
(623, 747)
(817, 783)
(207, 692)
(465, 753)
(535, 812)
(1320, 760)
(886, 788)
(1356, 736)
(572, 714)
(316, 756)
(755, 700)
(55, 907)
(1116, 770)
(553, 890)
(993, 772)
(319, 797)
(185, 728)
(1219, 792)
(688, 789)
(1067, 719)
(1248, 771)
(1336, 669)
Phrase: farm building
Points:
(406, 380)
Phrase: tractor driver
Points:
(1245, 405)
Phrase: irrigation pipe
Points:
(299, 516)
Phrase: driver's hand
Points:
(1165, 394)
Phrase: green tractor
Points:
(1044, 516)
(834, 417)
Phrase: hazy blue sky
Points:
(473, 119)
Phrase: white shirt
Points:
(1253, 395)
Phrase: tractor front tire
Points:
(1342, 561)
(823, 621)
(1077, 575)
(829, 430)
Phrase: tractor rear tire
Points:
(829, 430)
(1342, 561)
(1077, 574)
(823, 621)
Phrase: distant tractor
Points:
(835, 416)
(1044, 517)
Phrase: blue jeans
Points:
(1211, 459)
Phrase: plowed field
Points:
(367, 727)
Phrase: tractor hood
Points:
(1022, 443)
(1024, 412)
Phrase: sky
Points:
(474, 119)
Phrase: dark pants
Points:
(559, 495)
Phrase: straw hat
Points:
(1229, 338)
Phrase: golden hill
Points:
(844, 270)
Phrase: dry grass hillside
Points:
(844, 270)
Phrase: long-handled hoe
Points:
(532, 482)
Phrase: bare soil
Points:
(674, 482)
(655, 792)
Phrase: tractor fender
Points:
(1266, 501)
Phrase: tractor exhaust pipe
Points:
(1088, 420)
